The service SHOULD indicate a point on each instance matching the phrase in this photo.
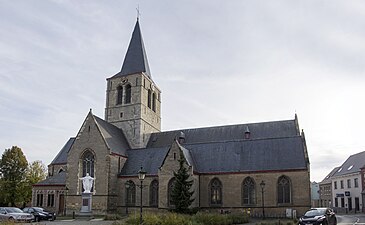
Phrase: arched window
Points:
(149, 98)
(130, 199)
(128, 93)
(170, 188)
(154, 193)
(119, 95)
(215, 192)
(88, 161)
(284, 190)
(154, 102)
(248, 191)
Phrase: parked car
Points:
(15, 214)
(317, 216)
(40, 213)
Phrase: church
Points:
(251, 167)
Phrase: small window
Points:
(154, 102)
(50, 201)
(119, 95)
(335, 184)
(121, 115)
(348, 183)
(39, 200)
(174, 155)
(350, 167)
(356, 182)
(339, 170)
(149, 98)
(341, 183)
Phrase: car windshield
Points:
(38, 209)
(315, 212)
(13, 210)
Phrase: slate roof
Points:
(135, 60)
(56, 179)
(114, 137)
(61, 157)
(352, 165)
(151, 160)
(327, 178)
(249, 155)
(276, 129)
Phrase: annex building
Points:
(226, 163)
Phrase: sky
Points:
(217, 63)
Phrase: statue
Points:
(87, 183)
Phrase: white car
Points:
(15, 214)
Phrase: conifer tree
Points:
(181, 194)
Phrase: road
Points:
(356, 219)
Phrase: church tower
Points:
(133, 101)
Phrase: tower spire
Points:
(135, 60)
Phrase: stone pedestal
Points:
(86, 203)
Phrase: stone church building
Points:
(226, 163)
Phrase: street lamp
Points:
(262, 185)
(127, 186)
(141, 176)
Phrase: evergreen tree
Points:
(13, 166)
(181, 194)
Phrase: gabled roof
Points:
(135, 60)
(61, 157)
(151, 159)
(276, 129)
(327, 178)
(249, 156)
(56, 179)
(113, 136)
(352, 165)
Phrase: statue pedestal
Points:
(86, 203)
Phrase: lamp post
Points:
(141, 176)
(127, 185)
(262, 185)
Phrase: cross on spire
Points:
(138, 13)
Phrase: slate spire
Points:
(135, 60)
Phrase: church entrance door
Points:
(61, 205)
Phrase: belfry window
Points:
(128, 93)
(154, 193)
(248, 191)
(149, 98)
(154, 102)
(119, 95)
(215, 192)
(88, 165)
(131, 194)
(284, 190)
(170, 189)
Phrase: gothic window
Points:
(119, 95)
(131, 194)
(171, 186)
(149, 98)
(248, 191)
(128, 94)
(154, 193)
(215, 192)
(154, 102)
(88, 165)
(50, 200)
(284, 190)
(39, 200)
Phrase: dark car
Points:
(317, 216)
(40, 213)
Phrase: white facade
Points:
(346, 192)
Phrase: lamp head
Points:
(141, 174)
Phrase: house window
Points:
(154, 102)
(88, 165)
(215, 192)
(248, 191)
(336, 202)
(149, 98)
(50, 200)
(356, 182)
(154, 193)
(128, 93)
(341, 183)
(119, 95)
(284, 190)
(131, 194)
(335, 184)
(170, 189)
(348, 183)
(39, 200)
